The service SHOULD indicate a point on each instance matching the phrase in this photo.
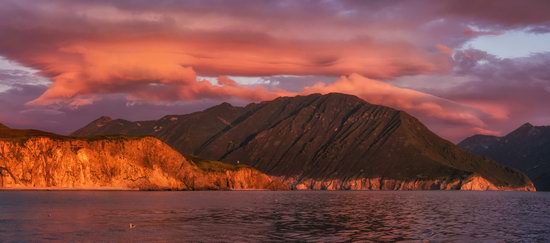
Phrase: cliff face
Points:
(470, 183)
(320, 138)
(116, 163)
(526, 149)
(41, 162)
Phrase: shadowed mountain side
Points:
(526, 149)
(320, 140)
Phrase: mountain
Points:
(526, 149)
(6, 132)
(332, 141)
(31, 159)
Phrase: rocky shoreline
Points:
(146, 163)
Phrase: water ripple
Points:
(275, 216)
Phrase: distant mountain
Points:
(526, 149)
(31, 159)
(6, 132)
(332, 141)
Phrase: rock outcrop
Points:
(41, 162)
(31, 159)
(320, 138)
(470, 183)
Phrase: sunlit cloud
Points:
(415, 56)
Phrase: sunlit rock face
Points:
(113, 163)
(32, 159)
(149, 164)
(311, 140)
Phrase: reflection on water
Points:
(274, 216)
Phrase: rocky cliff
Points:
(36, 160)
(41, 162)
(470, 183)
(313, 140)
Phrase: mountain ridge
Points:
(145, 163)
(527, 148)
(318, 138)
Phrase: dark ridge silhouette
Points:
(527, 149)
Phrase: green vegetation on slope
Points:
(215, 166)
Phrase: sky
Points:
(460, 67)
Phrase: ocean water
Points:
(250, 216)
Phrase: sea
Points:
(274, 216)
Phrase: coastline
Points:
(67, 189)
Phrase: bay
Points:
(252, 216)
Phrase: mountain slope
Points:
(38, 160)
(197, 127)
(323, 141)
(6, 132)
(526, 149)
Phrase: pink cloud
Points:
(154, 51)
(224, 80)
(90, 49)
(514, 90)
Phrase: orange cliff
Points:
(147, 163)
(113, 163)
(32, 159)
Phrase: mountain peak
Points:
(4, 129)
(335, 95)
(527, 125)
(99, 122)
(328, 98)
(221, 106)
(523, 130)
(344, 98)
(318, 137)
(525, 149)
(104, 118)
